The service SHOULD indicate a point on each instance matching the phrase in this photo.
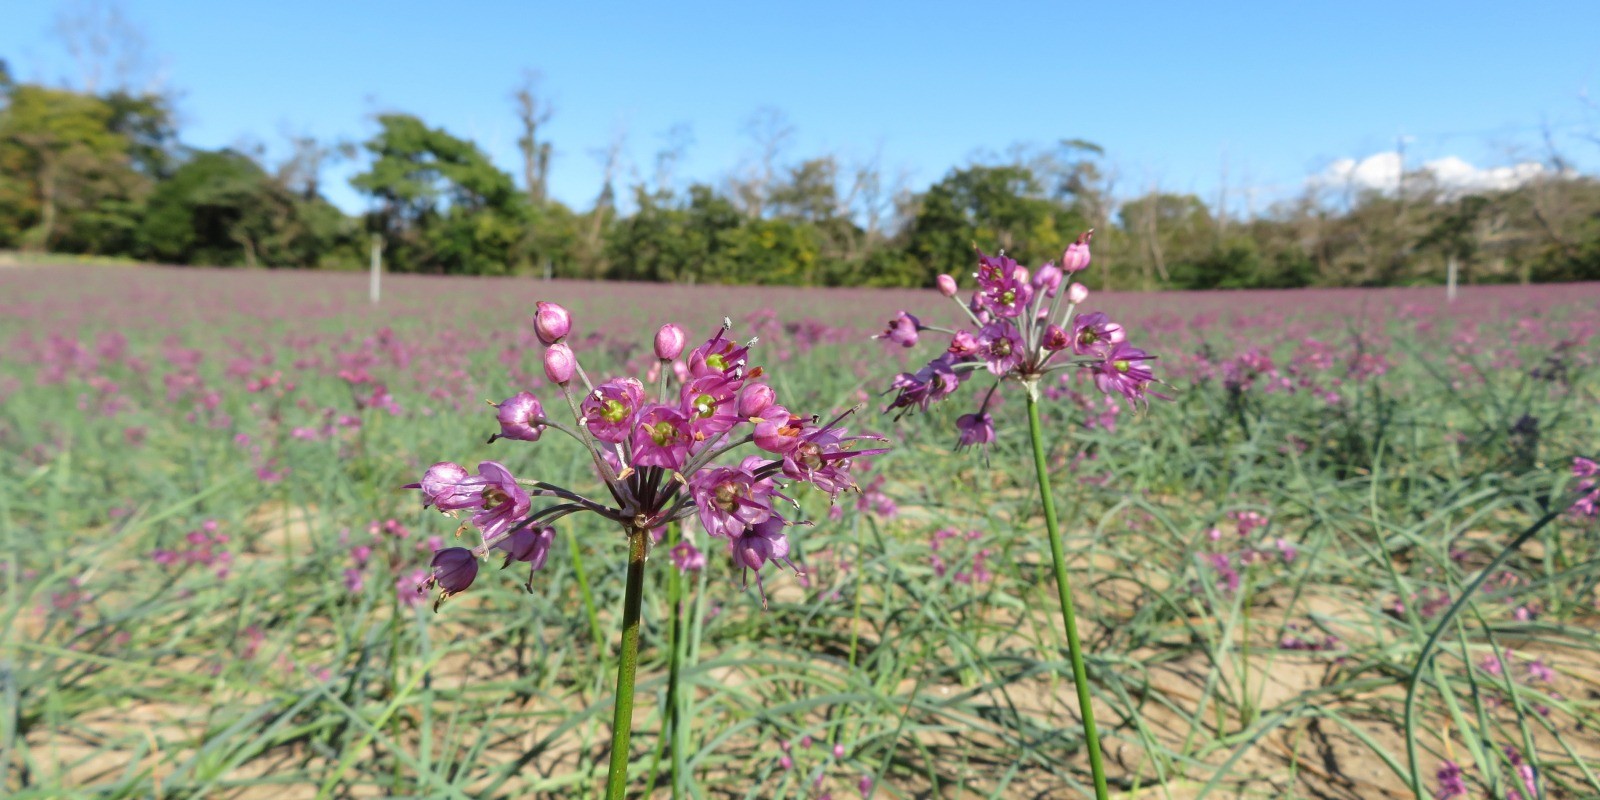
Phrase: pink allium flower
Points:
(528, 545)
(1003, 288)
(520, 417)
(1077, 293)
(442, 486)
(1123, 371)
(759, 544)
(1000, 346)
(1095, 335)
(755, 399)
(1451, 782)
(947, 285)
(974, 429)
(609, 409)
(902, 330)
(493, 492)
(660, 437)
(687, 558)
(730, 500)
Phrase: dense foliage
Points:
(106, 175)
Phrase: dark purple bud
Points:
(454, 569)
(552, 322)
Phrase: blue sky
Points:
(1171, 90)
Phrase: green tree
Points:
(992, 207)
(445, 206)
(66, 177)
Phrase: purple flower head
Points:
(822, 458)
(519, 418)
(454, 569)
(1000, 346)
(1055, 338)
(974, 429)
(707, 402)
(608, 410)
(551, 322)
(1123, 371)
(687, 558)
(560, 364)
(935, 381)
(1451, 782)
(530, 545)
(501, 501)
(719, 356)
(963, 345)
(759, 544)
(730, 500)
(902, 330)
(1095, 334)
(1076, 257)
(441, 486)
(661, 437)
(669, 342)
(1003, 287)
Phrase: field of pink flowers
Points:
(210, 570)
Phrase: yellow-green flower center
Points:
(717, 362)
(704, 405)
(494, 497)
(613, 411)
(662, 433)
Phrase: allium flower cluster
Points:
(1023, 325)
(1588, 473)
(661, 456)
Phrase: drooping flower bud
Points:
(1076, 257)
(1077, 293)
(947, 285)
(519, 418)
(551, 322)
(454, 569)
(560, 363)
(669, 342)
(756, 398)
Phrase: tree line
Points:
(107, 174)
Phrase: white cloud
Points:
(1454, 175)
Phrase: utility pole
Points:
(377, 267)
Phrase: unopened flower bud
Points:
(1076, 257)
(560, 363)
(1077, 293)
(552, 322)
(1048, 279)
(756, 398)
(521, 418)
(947, 285)
(669, 342)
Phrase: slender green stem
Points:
(675, 704)
(1069, 619)
(627, 665)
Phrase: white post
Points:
(1450, 281)
(377, 267)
